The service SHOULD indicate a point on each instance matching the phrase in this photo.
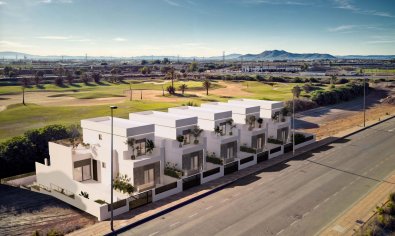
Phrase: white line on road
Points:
(192, 215)
(335, 193)
(174, 224)
(209, 207)
(280, 232)
(326, 199)
(154, 233)
(294, 222)
(224, 200)
(316, 207)
(305, 214)
(344, 188)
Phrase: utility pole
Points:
(293, 125)
(364, 102)
(86, 57)
(112, 169)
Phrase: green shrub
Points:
(121, 183)
(101, 202)
(275, 141)
(247, 149)
(214, 160)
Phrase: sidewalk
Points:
(198, 192)
(362, 211)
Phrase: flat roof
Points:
(264, 104)
(121, 126)
(202, 112)
(237, 108)
(164, 118)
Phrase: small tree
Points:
(296, 91)
(69, 77)
(122, 184)
(196, 131)
(96, 77)
(183, 87)
(24, 83)
(260, 121)
(85, 78)
(180, 139)
(206, 85)
(170, 89)
(149, 145)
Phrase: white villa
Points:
(162, 153)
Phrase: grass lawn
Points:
(17, 119)
(379, 71)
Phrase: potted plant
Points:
(130, 142)
(275, 116)
(196, 131)
(180, 139)
(231, 126)
(217, 130)
(149, 145)
(260, 121)
(250, 120)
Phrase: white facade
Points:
(224, 143)
(85, 167)
(187, 156)
(252, 134)
(279, 126)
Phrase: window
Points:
(192, 161)
(228, 150)
(149, 177)
(222, 127)
(187, 136)
(140, 147)
(103, 164)
(258, 141)
(100, 138)
(82, 170)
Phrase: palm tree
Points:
(333, 79)
(183, 87)
(24, 82)
(206, 85)
(296, 91)
(170, 75)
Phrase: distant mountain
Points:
(368, 57)
(283, 55)
(264, 56)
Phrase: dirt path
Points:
(23, 211)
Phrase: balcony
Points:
(136, 155)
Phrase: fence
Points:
(165, 188)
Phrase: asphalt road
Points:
(299, 197)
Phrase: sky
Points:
(196, 27)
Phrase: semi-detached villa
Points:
(163, 153)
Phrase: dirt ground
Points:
(334, 127)
(50, 98)
(23, 211)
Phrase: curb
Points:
(216, 189)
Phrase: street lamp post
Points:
(293, 125)
(111, 166)
(364, 102)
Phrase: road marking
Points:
(326, 199)
(335, 193)
(224, 200)
(351, 182)
(305, 214)
(280, 232)
(316, 207)
(174, 224)
(344, 187)
(154, 233)
(192, 215)
(390, 130)
(294, 222)
(209, 207)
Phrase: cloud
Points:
(268, 2)
(173, 3)
(342, 28)
(348, 5)
(118, 39)
(54, 37)
(55, 1)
